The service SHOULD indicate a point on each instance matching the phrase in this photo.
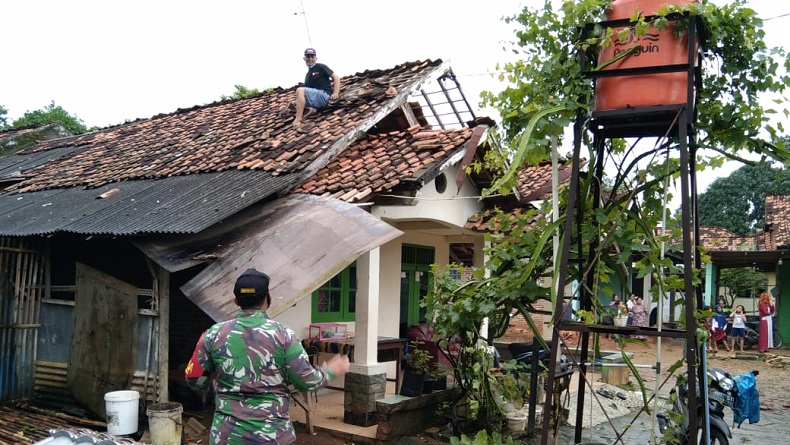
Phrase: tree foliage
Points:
(241, 92)
(549, 89)
(3, 118)
(737, 67)
(51, 114)
(616, 233)
(737, 202)
(742, 282)
(508, 284)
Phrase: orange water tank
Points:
(655, 48)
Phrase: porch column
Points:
(647, 299)
(367, 379)
(711, 278)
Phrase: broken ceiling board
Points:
(301, 243)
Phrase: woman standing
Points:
(766, 308)
(640, 316)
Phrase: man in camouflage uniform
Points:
(254, 359)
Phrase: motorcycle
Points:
(722, 392)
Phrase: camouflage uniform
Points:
(254, 358)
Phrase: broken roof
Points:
(385, 161)
(246, 134)
(248, 145)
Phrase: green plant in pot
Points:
(419, 369)
(512, 387)
(621, 315)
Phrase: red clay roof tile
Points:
(381, 162)
(244, 134)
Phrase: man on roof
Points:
(320, 85)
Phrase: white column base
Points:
(358, 368)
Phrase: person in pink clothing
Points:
(766, 309)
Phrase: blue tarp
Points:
(747, 404)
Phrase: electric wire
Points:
(777, 16)
(306, 25)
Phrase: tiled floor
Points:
(328, 413)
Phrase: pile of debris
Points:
(83, 436)
(21, 423)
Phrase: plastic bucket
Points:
(516, 421)
(122, 408)
(164, 423)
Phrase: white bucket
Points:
(516, 421)
(122, 408)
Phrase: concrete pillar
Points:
(362, 391)
(366, 380)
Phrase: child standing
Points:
(719, 329)
(738, 327)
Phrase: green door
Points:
(415, 280)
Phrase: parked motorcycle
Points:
(722, 392)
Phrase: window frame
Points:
(348, 294)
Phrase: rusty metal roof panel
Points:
(180, 204)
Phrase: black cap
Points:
(309, 52)
(250, 283)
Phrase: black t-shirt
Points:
(319, 76)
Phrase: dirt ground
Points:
(773, 383)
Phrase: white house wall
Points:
(451, 207)
(447, 213)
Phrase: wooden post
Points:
(162, 296)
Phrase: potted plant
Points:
(417, 371)
(511, 386)
(440, 373)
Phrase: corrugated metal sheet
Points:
(180, 204)
(11, 166)
(52, 389)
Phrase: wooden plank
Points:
(51, 364)
(53, 375)
(103, 351)
(162, 295)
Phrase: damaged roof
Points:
(206, 162)
(384, 162)
(246, 134)
(534, 184)
(775, 235)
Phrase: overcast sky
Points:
(109, 61)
